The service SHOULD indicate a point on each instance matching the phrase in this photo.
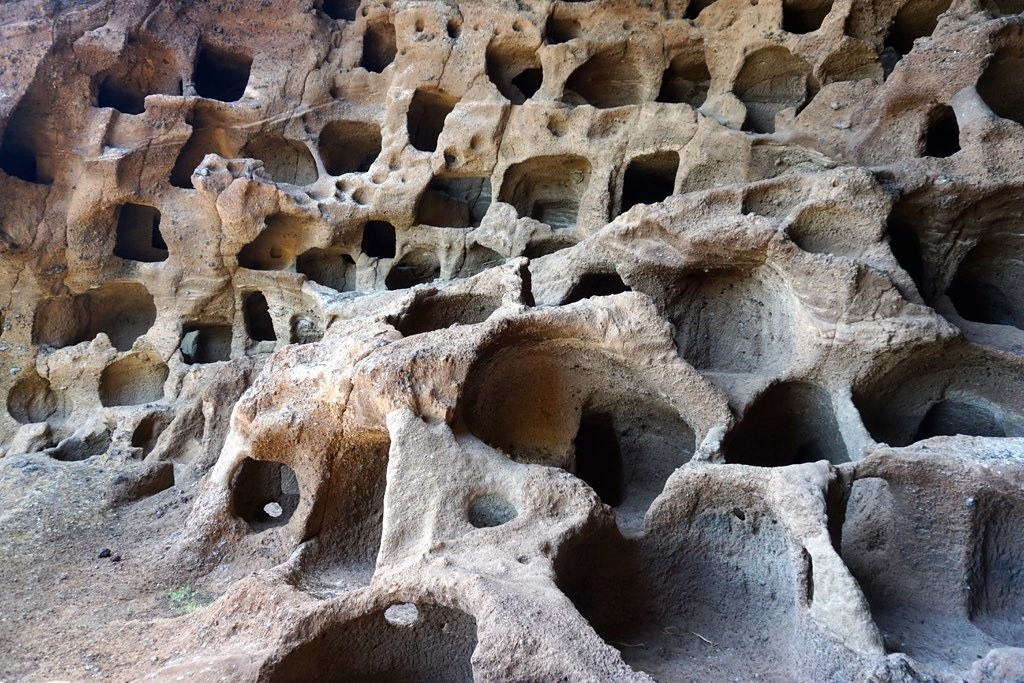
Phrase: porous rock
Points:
(515, 340)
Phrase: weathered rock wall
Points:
(587, 340)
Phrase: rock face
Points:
(592, 340)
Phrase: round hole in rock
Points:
(608, 79)
(707, 572)
(148, 431)
(515, 70)
(560, 29)
(378, 239)
(489, 511)
(439, 311)
(942, 138)
(133, 380)
(771, 80)
(425, 119)
(858, 63)
(276, 245)
(775, 199)
(830, 229)
(791, 422)
(403, 615)
(265, 494)
(31, 399)
(695, 7)
(804, 16)
(27, 148)
(612, 429)
(417, 267)
(950, 417)
(454, 202)
(349, 146)
(343, 10)
(329, 267)
(285, 161)
(124, 311)
(75, 449)
(221, 74)
(686, 79)
(596, 284)
(906, 244)
(145, 67)
(915, 19)
(547, 188)
(379, 46)
(988, 286)
(438, 646)
(964, 391)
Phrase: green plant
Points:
(186, 599)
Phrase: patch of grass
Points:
(186, 599)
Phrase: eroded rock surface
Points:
(592, 340)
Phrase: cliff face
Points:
(593, 340)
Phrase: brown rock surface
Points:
(518, 340)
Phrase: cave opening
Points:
(221, 74)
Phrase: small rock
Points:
(115, 558)
(104, 553)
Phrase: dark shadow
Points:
(330, 267)
(379, 48)
(344, 10)
(221, 74)
(451, 202)
(606, 80)
(942, 139)
(417, 267)
(349, 146)
(804, 16)
(686, 79)
(258, 323)
(1001, 85)
(595, 284)
(425, 119)
(548, 188)
(138, 234)
(264, 494)
(378, 239)
(201, 343)
(649, 179)
(790, 423)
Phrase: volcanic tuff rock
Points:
(514, 340)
